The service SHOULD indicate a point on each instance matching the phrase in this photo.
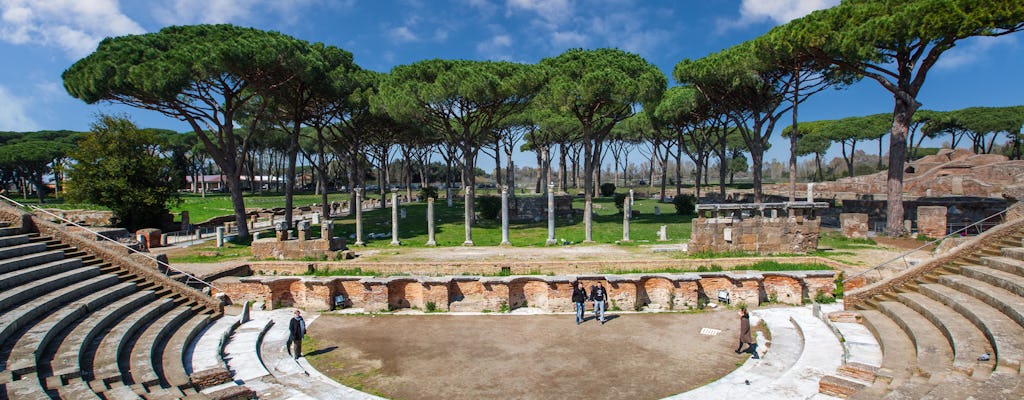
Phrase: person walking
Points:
(745, 335)
(296, 330)
(579, 298)
(600, 297)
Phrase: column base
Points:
(396, 243)
(505, 243)
(587, 241)
(431, 243)
(359, 243)
(551, 242)
(468, 243)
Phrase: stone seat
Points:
(240, 352)
(66, 363)
(205, 350)
(28, 260)
(24, 315)
(8, 231)
(934, 356)
(27, 388)
(13, 297)
(26, 275)
(898, 353)
(112, 347)
(1005, 264)
(1005, 280)
(21, 249)
(966, 340)
(141, 360)
(28, 352)
(1005, 336)
(1001, 299)
(172, 359)
(14, 240)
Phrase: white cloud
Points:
(12, 113)
(568, 39)
(74, 26)
(402, 34)
(496, 47)
(970, 51)
(187, 12)
(776, 11)
(552, 11)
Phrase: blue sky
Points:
(40, 38)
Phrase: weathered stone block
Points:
(854, 225)
(931, 221)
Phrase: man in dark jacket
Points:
(296, 330)
(600, 298)
(745, 334)
(579, 297)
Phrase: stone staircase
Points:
(935, 322)
(75, 325)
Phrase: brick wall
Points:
(931, 221)
(549, 293)
(854, 225)
(764, 235)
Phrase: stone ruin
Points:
(764, 228)
(535, 208)
(282, 246)
(549, 293)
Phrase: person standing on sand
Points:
(745, 334)
(579, 298)
(600, 297)
(296, 330)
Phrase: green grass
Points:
(836, 240)
(766, 265)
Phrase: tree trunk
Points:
(902, 115)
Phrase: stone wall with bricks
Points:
(272, 248)
(549, 293)
(756, 234)
(854, 225)
(931, 221)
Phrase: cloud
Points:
(776, 11)
(568, 39)
(74, 26)
(496, 47)
(970, 51)
(551, 11)
(12, 114)
(402, 34)
(187, 12)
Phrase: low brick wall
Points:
(763, 235)
(285, 249)
(518, 267)
(550, 293)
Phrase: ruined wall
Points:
(273, 248)
(757, 234)
(931, 221)
(549, 293)
(854, 225)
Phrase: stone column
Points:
(430, 222)
(810, 192)
(394, 218)
(327, 229)
(220, 236)
(281, 229)
(303, 228)
(469, 221)
(588, 221)
(551, 214)
(627, 208)
(504, 216)
(359, 217)
(448, 195)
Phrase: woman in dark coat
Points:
(745, 334)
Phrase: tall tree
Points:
(201, 74)
(896, 43)
(600, 88)
(462, 100)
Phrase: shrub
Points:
(620, 201)
(823, 298)
(489, 207)
(428, 192)
(685, 204)
(607, 189)
(431, 306)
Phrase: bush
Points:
(620, 201)
(685, 204)
(489, 207)
(607, 189)
(428, 192)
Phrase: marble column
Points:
(551, 215)
(220, 236)
(627, 214)
(394, 218)
(430, 222)
(359, 217)
(468, 219)
(504, 216)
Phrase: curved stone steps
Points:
(27, 389)
(1014, 252)
(14, 320)
(205, 351)
(996, 297)
(65, 362)
(241, 351)
(822, 354)
(138, 367)
(14, 240)
(28, 352)
(966, 340)
(933, 354)
(9, 299)
(21, 249)
(103, 367)
(27, 275)
(995, 277)
(1005, 335)
(1005, 264)
(171, 359)
(28, 260)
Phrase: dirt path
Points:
(633, 356)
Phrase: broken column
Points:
(327, 229)
(185, 223)
(627, 214)
(551, 214)
(504, 216)
(281, 230)
(220, 236)
(304, 230)
(394, 218)
(359, 217)
(430, 222)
